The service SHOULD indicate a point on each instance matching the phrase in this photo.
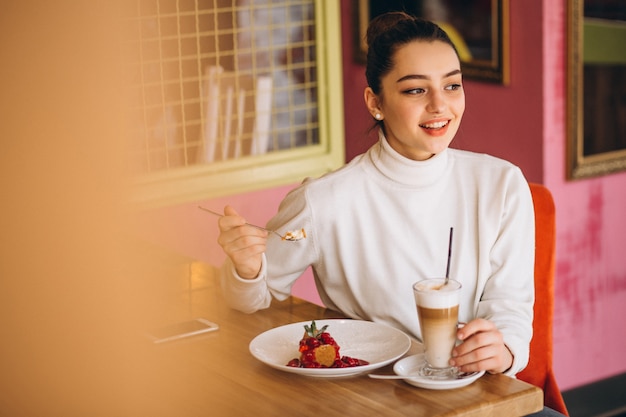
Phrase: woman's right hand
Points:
(243, 244)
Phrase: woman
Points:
(380, 223)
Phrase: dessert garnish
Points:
(318, 349)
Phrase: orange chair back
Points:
(539, 371)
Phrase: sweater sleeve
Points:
(283, 262)
(508, 296)
(245, 295)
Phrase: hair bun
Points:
(382, 23)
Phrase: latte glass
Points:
(438, 313)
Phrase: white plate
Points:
(411, 365)
(376, 343)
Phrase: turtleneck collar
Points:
(404, 170)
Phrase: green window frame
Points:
(199, 181)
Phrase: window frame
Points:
(276, 168)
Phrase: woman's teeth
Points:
(437, 125)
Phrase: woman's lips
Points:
(437, 128)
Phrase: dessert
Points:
(294, 235)
(318, 349)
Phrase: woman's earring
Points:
(378, 116)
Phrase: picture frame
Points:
(596, 85)
(480, 30)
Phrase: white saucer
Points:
(411, 366)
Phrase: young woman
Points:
(381, 223)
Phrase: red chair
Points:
(539, 371)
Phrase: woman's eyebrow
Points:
(426, 77)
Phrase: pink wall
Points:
(590, 341)
(523, 122)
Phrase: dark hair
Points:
(389, 31)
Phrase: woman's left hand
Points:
(482, 348)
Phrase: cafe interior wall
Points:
(523, 122)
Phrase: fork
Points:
(215, 213)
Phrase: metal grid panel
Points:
(176, 47)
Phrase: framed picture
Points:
(596, 105)
(479, 29)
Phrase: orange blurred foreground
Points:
(73, 295)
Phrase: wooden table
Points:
(215, 374)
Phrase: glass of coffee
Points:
(438, 313)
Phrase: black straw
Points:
(449, 256)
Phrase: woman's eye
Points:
(453, 87)
(414, 91)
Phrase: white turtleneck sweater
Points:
(379, 224)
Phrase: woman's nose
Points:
(437, 103)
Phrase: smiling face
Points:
(421, 101)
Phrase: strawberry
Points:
(318, 349)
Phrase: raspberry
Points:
(318, 349)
